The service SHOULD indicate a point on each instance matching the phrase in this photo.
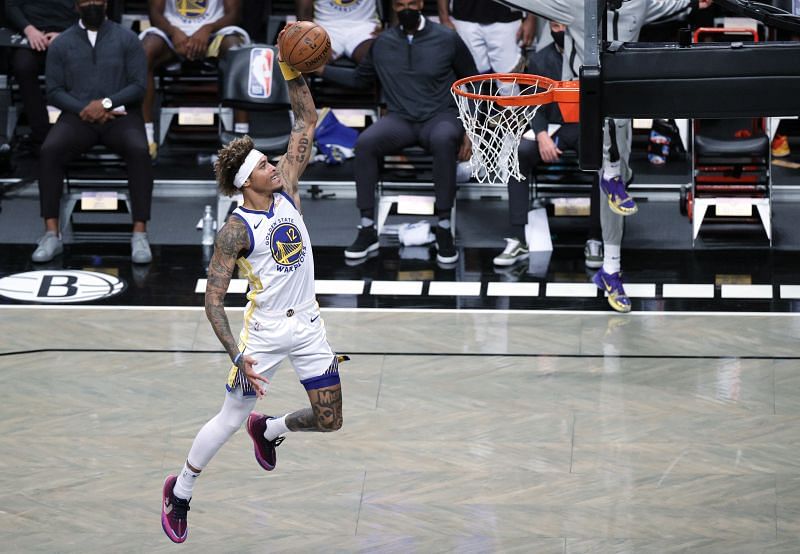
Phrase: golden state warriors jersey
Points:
(190, 15)
(347, 10)
(280, 264)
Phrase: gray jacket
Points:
(625, 27)
(77, 73)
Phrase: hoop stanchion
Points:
(497, 108)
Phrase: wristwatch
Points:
(107, 104)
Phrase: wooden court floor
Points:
(463, 432)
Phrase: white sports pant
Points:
(493, 46)
(611, 223)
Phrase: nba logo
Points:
(260, 82)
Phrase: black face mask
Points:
(558, 38)
(93, 15)
(409, 19)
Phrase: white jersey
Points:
(280, 264)
(332, 11)
(190, 15)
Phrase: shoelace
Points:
(179, 507)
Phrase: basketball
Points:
(305, 46)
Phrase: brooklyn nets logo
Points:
(287, 247)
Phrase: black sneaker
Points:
(264, 449)
(366, 242)
(447, 252)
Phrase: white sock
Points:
(241, 128)
(185, 483)
(275, 428)
(148, 130)
(612, 169)
(444, 223)
(367, 222)
(612, 258)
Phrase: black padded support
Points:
(591, 144)
(711, 80)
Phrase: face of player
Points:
(265, 178)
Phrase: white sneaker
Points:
(514, 251)
(48, 247)
(593, 253)
(140, 249)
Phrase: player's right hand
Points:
(247, 366)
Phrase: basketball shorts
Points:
(347, 35)
(297, 334)
(214, 41)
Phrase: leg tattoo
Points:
(325, 414)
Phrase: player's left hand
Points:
(197, 45)
(247, 366)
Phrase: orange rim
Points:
(554, 91)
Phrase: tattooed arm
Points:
(292, 165)
(231, 241)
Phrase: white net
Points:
(495, 130)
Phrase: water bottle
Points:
(208, 227)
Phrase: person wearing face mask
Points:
(415, 62)
(95, 75)
(625, 22)
(547, 62)
(40, 21)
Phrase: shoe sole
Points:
(443, 260)
(355, 255)
(620, 211)
(781, 154)
(164, 525)
(594, 264)
(506, 263)
(261, 461)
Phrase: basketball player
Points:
(624, 25)
(267, 239)
(351, 24)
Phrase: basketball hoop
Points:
(497, 108)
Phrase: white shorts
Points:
(493, 45)
(225, 31)
(347, 35)
(297, 333)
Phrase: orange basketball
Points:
(305, 46)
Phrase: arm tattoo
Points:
(231, 241)
(324, 415)
(299, 148)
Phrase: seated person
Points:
(415, 62)
(189, 31)
(548, 63)
(351, 25)
(40, 21)
(95, 75)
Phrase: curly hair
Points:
(230, 159)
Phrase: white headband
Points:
(247, 168)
